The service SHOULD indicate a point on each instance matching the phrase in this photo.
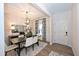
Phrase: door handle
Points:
(66, 33)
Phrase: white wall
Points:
(1, 29)
(49, 29)
(75, 29)
(78, 28)
(61, 24)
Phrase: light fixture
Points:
(12, 27)
(27, 19)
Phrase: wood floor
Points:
(57, 48)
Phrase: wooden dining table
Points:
(18, 42)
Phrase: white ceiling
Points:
(52, 8)
(19, 10)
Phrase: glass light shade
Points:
(27, 21)
(12, 27)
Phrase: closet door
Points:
(40, 26)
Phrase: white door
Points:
(60, 32)
(60, 27)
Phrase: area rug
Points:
(52, 53)
(36, 50)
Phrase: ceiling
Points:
(19, 10)
(52, 8)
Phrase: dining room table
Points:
(18, 42)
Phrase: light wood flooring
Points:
(57, 48)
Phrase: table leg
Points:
(38, 43)
(18, 49)
(5, 53)
(33, 46)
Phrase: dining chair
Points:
(30, 42)
(10, 48)
(21, 38)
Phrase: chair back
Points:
(35, 39)
(6, 46)
(29, 41)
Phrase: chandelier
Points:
(27, 19)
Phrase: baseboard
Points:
(44, 41)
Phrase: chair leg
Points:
(17, 51)
(38, 43)
(33, 46)
(26, 49)
(5, 53)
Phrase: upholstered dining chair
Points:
(30, 42)
(10, 48)
(21, 38)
